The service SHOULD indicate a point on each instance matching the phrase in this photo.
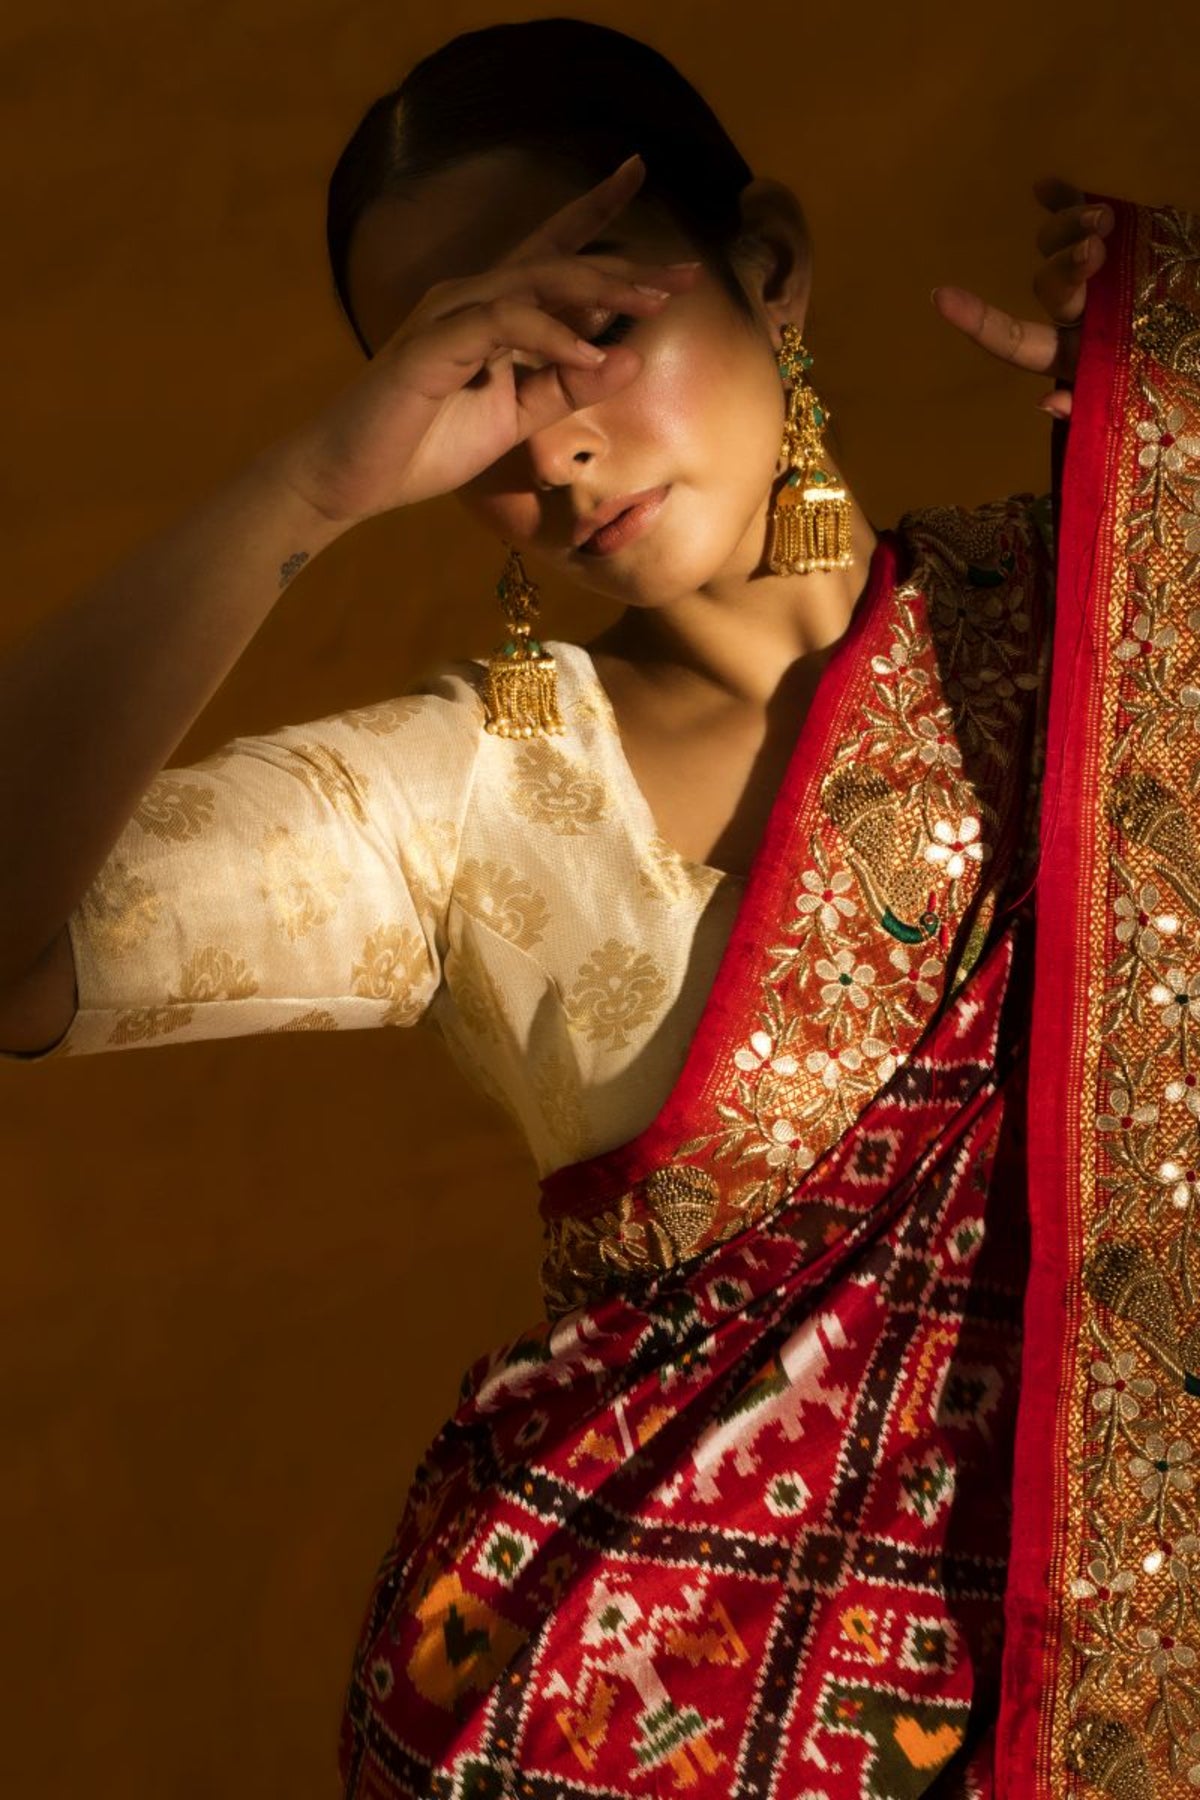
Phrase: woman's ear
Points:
(773, 253)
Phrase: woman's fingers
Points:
(573, 282)
(1061, 282)
(584, 216)
(1021, 341)
(1071, 225)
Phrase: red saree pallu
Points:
(1101, 1690)
(740, 1517)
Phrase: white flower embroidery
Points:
(955, 845)
(844, 980)
(1118, 1389)
(1123, 1115)
(1137, 917)
(829, 1064)
(1102, 1582)
(1178, 995)
(896, 664)
(1185, 1087)
(1163, 1650)
(1162, 446)
(937, 745)
(787, 1146)
(1181, 1181)
(827, 898)
(1144, 640)
(1175, 1555)
(886, 1057)
(1163, 1466)
(760, 1054)
(926, 978)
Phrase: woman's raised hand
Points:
(446, 396)
(1072, 243)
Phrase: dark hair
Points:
(583, 95)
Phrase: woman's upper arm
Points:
(36, 1015)
(295, 880)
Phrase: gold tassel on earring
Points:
(810, 521)
(520, 687)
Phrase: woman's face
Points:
(704, 415)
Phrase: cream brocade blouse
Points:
(396, 864)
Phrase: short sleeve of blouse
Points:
(296, 881)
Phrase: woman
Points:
(735, 1517)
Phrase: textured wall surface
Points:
(241, 1280)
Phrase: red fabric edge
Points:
(1068, 835)
(587, 1185)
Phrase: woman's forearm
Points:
(95, 700)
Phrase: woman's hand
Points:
(445, 397)
(1072, 242)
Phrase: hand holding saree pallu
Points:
(734, 1519)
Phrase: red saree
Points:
(735, 1518)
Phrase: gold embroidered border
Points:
(923, 820)
(1123, 1715)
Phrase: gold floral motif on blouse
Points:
(303, 880)
(503, 899)
(548, 787)
(175, 809)
(670, 877)
(121, 907)
(323, 768)
(555, 1082)
(617, 989)
(384, 716)
(214, 974)
(390, 966)
(317, 1018)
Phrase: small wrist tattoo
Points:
(292, 567)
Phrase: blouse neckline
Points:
(757, 905)
(880, 556)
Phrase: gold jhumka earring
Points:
(520, 687)
(810, 521)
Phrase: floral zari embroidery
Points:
(899, 861)
(1126, 1716)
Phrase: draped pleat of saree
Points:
(736, 1517)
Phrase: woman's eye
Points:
(613, 332)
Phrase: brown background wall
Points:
(241, 1280)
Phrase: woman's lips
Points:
(626, 526)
